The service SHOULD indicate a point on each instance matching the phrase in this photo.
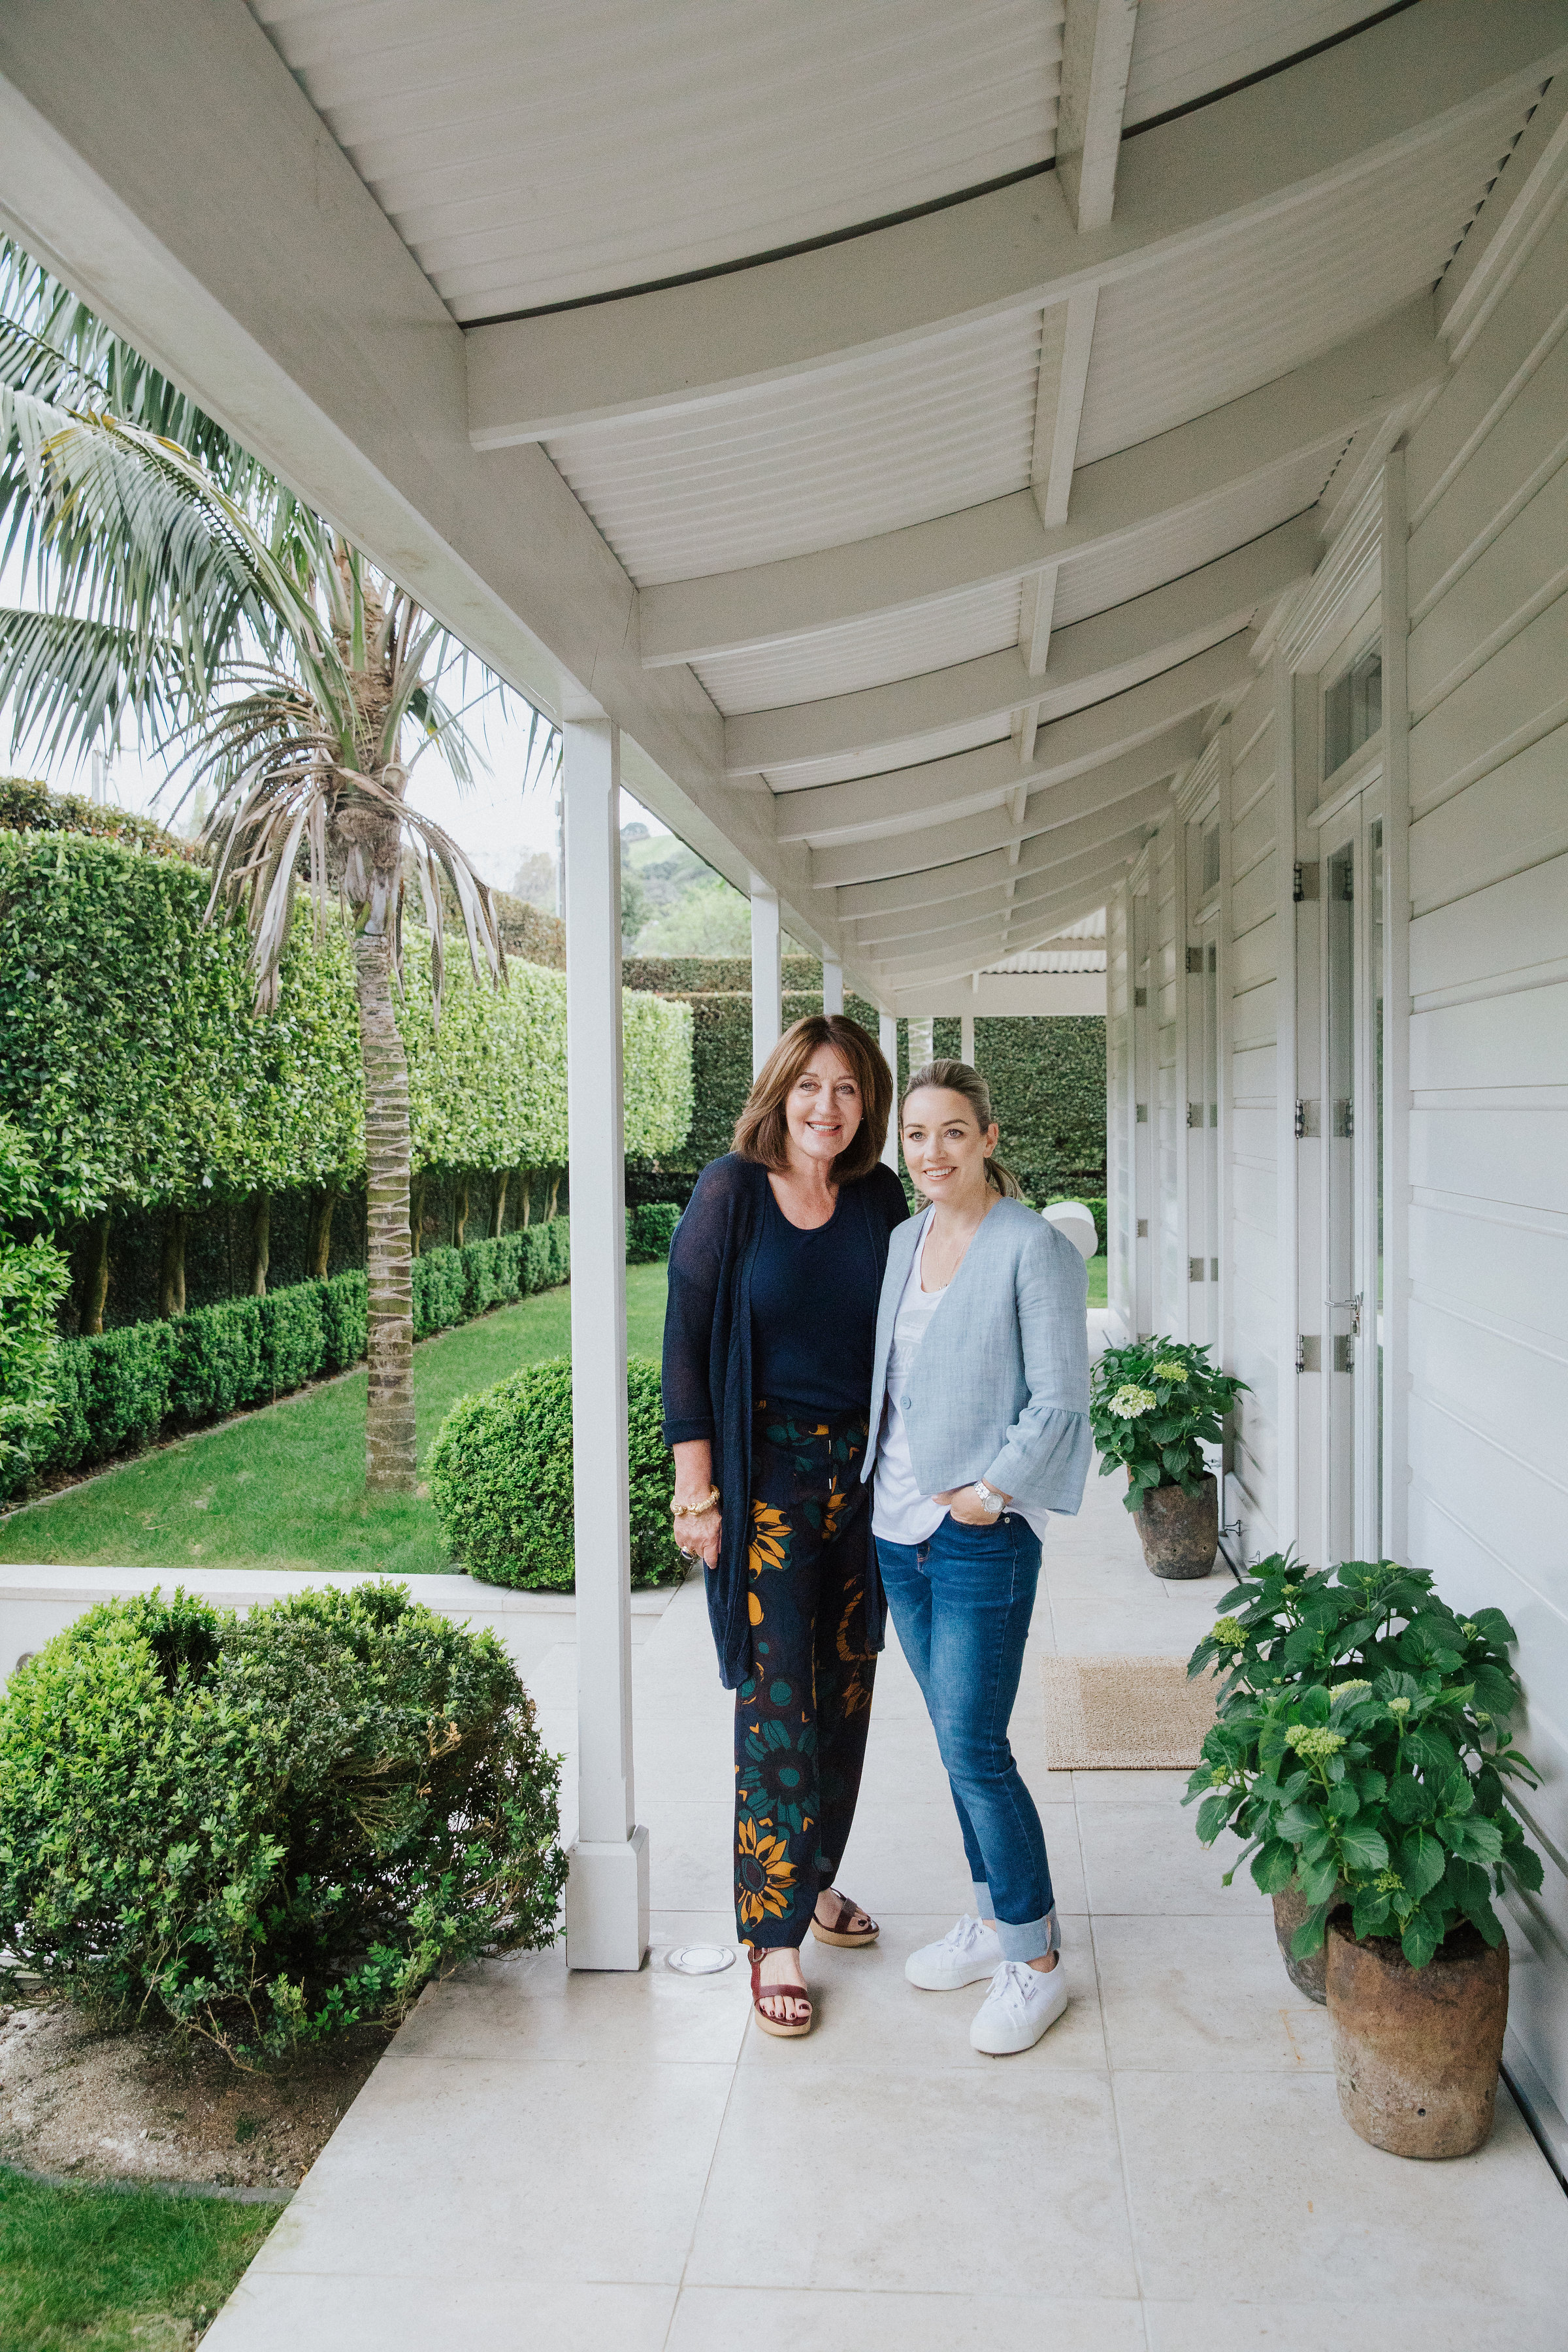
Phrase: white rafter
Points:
(1037, 873)
(1402, 85)
(1097, 51)
(1101, 655)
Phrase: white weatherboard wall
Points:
(1487, 495)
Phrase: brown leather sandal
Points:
(840, 1932)
(777, 2025)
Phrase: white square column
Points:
(767, 973)
(966, 1038)
(832, 985)
(922, 1044)
(606, 1892)
(887, 1038)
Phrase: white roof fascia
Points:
(1313, 407)
(1392, 89)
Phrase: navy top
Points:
(806, 1284)
(710, 1381)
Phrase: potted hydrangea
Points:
(1152, 1409)
(1361, 1752)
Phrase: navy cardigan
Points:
(708, 1366)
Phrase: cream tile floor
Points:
(546, 2163)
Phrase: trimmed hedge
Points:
(501, 1480)
(117, 1392)
(267, 1830)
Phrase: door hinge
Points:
(1195, 1269)
(1195, 960)
(1142, 1113)
(1344, 1352)
(1306, 1119)
(1308, 1353)
(1194, 1114)
(1140, 998)
(1303, 880)
(1345, 1118)
(1213, 1269)
(1142, 1229)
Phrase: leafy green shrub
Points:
(270, 1828)
(558, 1230)
(128, 1386)
(293, 1337)
(479, 1276)
(344, 1320)
(649, 1230)
(441, 1283)
(509, 1265)
(501, 1479)
(1360, 1748)
(218, 1362)
(34, 1278)
(1152, 1408)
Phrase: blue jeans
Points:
(961, 1605)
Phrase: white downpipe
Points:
(607, 1891)
(767, 973)
(887, 1038)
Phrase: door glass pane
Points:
(1374, 861)
(1341, 1314)
(1352, 709)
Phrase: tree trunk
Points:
(320, 1242)
(527, 1193)
(498, 1209)
(389, 1458)
(416, 1216)
(554, 1194)
(261, 1242)
(171, 1266)
(461, 1213)
(95, 1288)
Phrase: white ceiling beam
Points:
(1004, 995)
(978, 944)
(1314, 407)
(1097, 51)
(917, 868)
(1396, 87)
(942, 792)
(1516, 213)
(1053, 858)
(1093, 658)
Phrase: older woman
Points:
(774, 1274)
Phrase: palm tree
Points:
(177, 579)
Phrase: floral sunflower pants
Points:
(801, 1719)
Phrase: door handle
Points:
(1355, 1306)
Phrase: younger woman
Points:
(980, 1410)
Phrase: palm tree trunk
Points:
(389, 1458)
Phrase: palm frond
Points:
(69, 678)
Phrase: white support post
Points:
(767, 973)
(832, 984)
(607, 1891)
(922, 1042)
(887, 1038)
(966, 1038)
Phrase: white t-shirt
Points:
(900, 1514)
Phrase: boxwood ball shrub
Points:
(501, 1479)
(265, 1829)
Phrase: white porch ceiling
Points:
(875, 553)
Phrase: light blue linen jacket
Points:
(1000, 1390)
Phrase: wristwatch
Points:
(987, 1497)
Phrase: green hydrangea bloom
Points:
(1165, 1371)
(1230, 1631)
(1399, 1706)
(1313, 1742)
(1130, 1400)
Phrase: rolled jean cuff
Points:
(1033, 1940)
(982, 1896)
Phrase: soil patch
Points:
(139, 2106)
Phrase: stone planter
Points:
(1179, 1532)
(1290, 1908)
(1416, 2051)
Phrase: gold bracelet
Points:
(694, 1510)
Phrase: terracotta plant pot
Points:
(1290, 1908)
(1179, 1532)
(1416, 2051)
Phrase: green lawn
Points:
(121, 2270)
(284, 1487)
(1097, 1291)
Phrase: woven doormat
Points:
(1123, 1713)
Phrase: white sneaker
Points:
(1022, 2003)
(966, 1953)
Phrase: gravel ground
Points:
(93, 2106)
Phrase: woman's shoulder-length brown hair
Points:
(761, 1132)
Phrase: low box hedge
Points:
(293, 1338)
(345, 1319)
(650, 1228)
(500, 1480)
(217, 1359)
(266, 1829)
